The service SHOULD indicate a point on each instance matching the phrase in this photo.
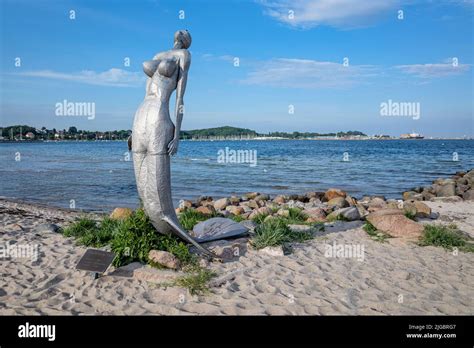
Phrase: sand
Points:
(393, 278)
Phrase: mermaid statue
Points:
(156, 138)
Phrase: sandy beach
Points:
(394, 278)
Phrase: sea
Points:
(98, 175)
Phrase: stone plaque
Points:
(96, 261)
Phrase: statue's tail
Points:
(177, 229)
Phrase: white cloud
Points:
(428, 71)
(112, 77)
(338, 13)
(304, 73)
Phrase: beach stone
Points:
(185, 204)
(333, 193)
(273, 251)
(221, 204)
(462, 181)
(206, 210)
(253, 204)
(350, 214)
(203, 199)
(127, 270)
(351, 200)
(234, 200)
(164, 258)
(460, 189)
(315, 215)
(251, 195)
(338, 202)
(417, 208)
(46, 228)
(445, 188)
(121, 213)
(251, 225)
(218, 228)
(260, 211)
(395, 224)
(283, 212)
(412, 195)
(361, 209)
(468, 195)
(280, 199)
(262, 197)
(235, 209)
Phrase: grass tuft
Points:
(275, 232)
(197, 281)
(374, 233)
(448, 237)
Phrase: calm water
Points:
(98, 177)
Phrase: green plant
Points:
(237, 218)
(275, 232)
(374, 233)
(259, 218)
(197, 282)
(448, 237)
(409, 214)
(296, 216)
(190, 217)
(80, 227)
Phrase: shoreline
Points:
(430, 280)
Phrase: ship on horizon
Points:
(412, 135)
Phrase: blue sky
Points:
(290, 53)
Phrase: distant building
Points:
(30, 136)
(411, 136)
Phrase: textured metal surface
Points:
(155, 138)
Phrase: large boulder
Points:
(417, 208)
(333, 193)
(395, 224)
(206, 210)
(444, 187)
(217, 228)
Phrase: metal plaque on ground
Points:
(95, 261)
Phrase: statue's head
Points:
(182, 38)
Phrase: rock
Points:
(349, 214)
(251, 225)
(279, 199)
(234, 209)
(333, 193)
(338, 202)
(427, 195)
(47, 228)
(315, 215)
(462, 181)
(395, 224)
(262, 198)
(362, 211)
(260, 211)
(251, 195)
(283, 212)
(434, 215)
(253, 204)
(154, 275)
(218, 228)
(445, 188)
(422, 210)
(184, 204)
(234, 200)
(412, 195)
(121, 213)
(460, 189)
(273, 251)
(127, 270)
(221, 204)
(202, 199)
(351, 201)
(164, 258)
(300, 228)
(468, 195)
(296, 204)
(206, 210)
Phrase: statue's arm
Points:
(184, 64)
